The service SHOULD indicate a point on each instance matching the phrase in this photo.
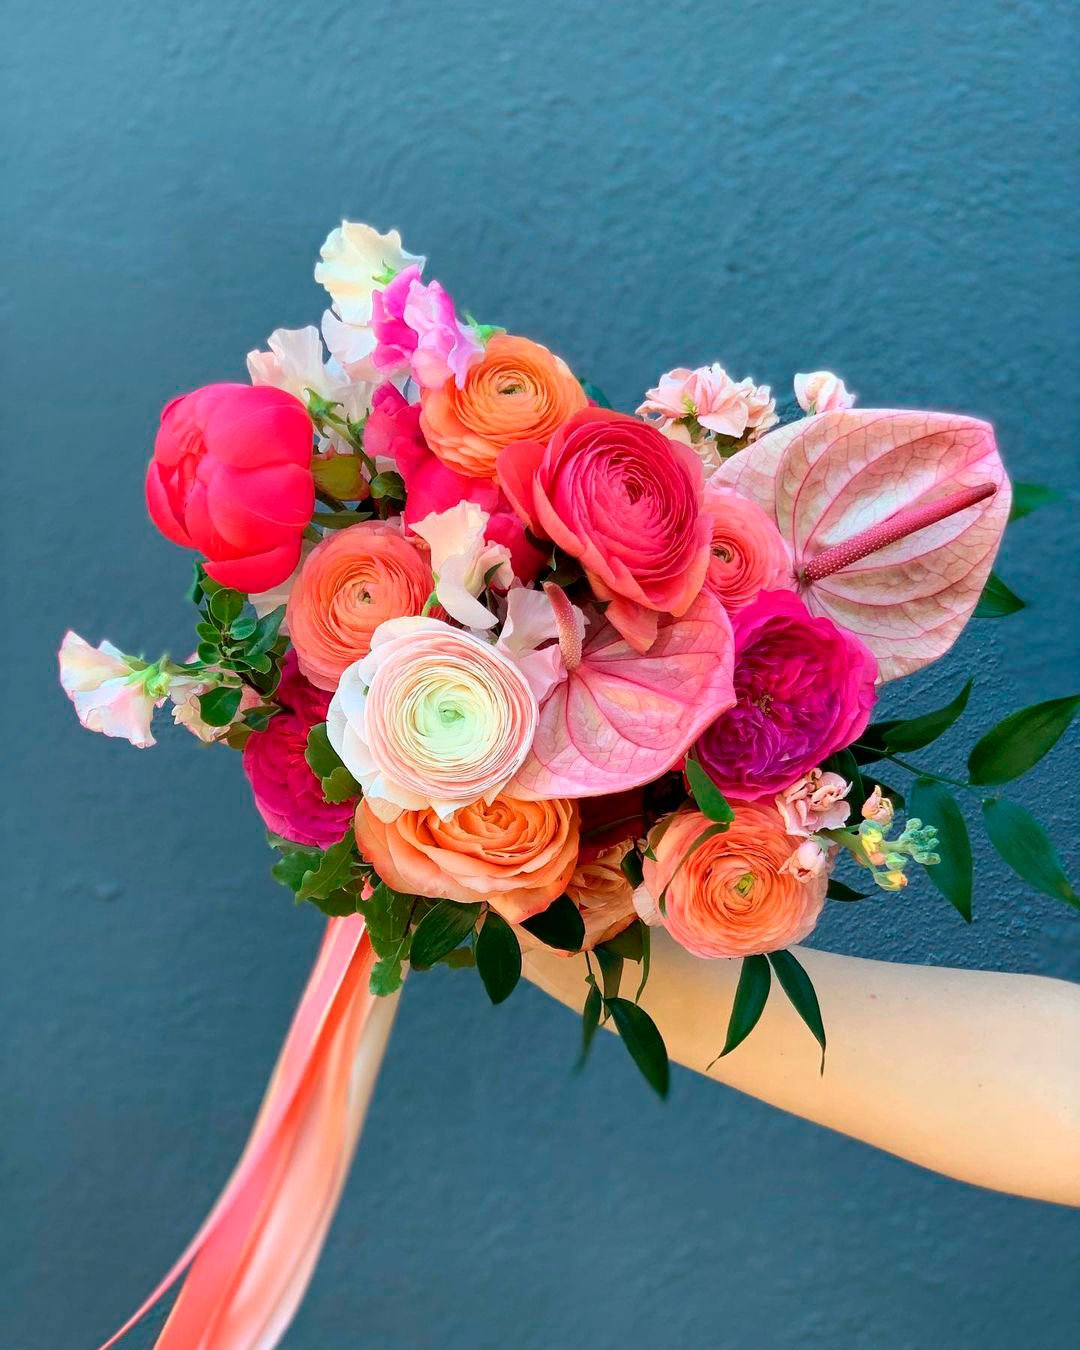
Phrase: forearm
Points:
(971, 1073)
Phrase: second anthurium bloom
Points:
(231, 478)
(624, 500)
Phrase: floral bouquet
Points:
(507, 667)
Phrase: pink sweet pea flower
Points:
(818, 801)
(710, 395)
(110, 695)
(416, 327)
(822, 391)
(464, 562)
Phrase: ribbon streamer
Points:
(254, 1255)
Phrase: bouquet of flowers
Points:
(507, 667)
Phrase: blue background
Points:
(885, 189)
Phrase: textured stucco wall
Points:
(885, 188)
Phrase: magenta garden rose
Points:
(287, 794)
(803, 688)
(626, 501)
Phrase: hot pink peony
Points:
(803, 688)
(611, 491)
(747, 555)
(393, 430)
(287, 794)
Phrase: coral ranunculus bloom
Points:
(731, 896)
(348, 585)
(231, 478)
(519, 392)
(516, 855)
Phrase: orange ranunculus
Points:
(516, 855)
(348, 585)
(519, 392)
(603, 894)
(732, 895)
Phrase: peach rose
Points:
(748, 554)
(519, 392)
(732, 896)
(603, 894)
(348, 585)
(516, 855)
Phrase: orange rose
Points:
(603, 895)
(349, 584)
(516, 855)
(518, 392)
(732, 896)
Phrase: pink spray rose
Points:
(748, 554)
(822, 391)
(804, 688)
(415, 325)
(287, 794)
(614, 493)
(393, 430)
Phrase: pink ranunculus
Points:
(393, 430)
(804, 688)
(748, 554)
(287, 794)
(613, 492)
(710, 395)
(818, 801)
(416, 326)
(822, 391)
(231, 478)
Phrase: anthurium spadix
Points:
(893, 520)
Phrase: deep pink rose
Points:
(287, 794)
(804, 688)
(393, 430)
(231, 478)
(625, 500)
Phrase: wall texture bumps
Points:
(885, 189)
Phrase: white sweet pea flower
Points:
(464, 562)
(357, 261)
(295, 363)
(110, 694)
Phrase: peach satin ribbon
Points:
(253, 1256)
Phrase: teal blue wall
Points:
(887, 189)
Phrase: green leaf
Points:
(1018, 742)
(387, 975)
(498, 957)
(337, 904)
(226, 605)
(646, 960)
(339, 520)
(915, 732)
(644, 1042)
(1028, 497)
(711, 802)
(750, 998)
(291, 869)
(799, 988)
(217, 708)
(242, 629)
(836, 890)
(440, 931)
(258, 718)
(1024, 845)
(334, 870)
(194, 592)
(934, 804)
(590, 1020)
(266, 631)
(611, 969)
(597, 395)
(628, 944)
(871, 744)
(322, 758)
(340, 786)
(631, 868)
(207, 653)
(997, 600)
(388, 484)
(560, 925)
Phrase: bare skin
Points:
(974, 1074)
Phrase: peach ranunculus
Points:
(352, 582)
(519, 392)
(603, 894)
(733, 896)
(748, 554)
(516, 855)
(432, 716)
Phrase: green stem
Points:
(925, 773)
